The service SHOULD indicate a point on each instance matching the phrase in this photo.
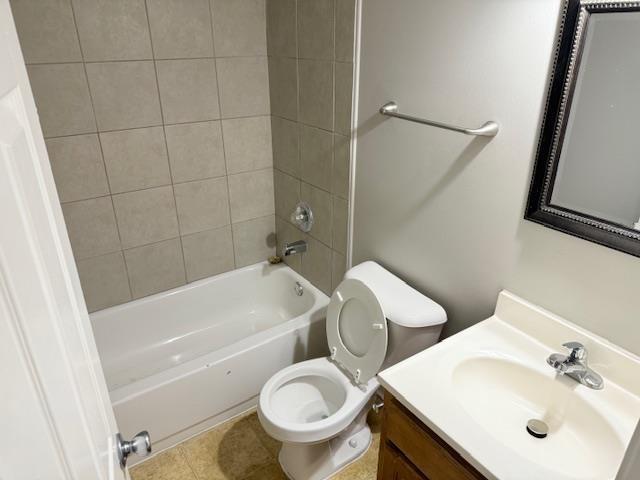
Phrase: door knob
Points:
(140, 445)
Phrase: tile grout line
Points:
(185, 457)
(298, 122)
(104, 164)
(166, 146)
(211, 120)
(224, 147)
(152, 59)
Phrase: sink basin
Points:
(478, 389)
(514, 394)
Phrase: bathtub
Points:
(182, 361)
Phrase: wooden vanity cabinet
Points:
(409, 450)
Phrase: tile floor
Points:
(239, 450)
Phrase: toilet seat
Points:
(357, 330)
(278, 408)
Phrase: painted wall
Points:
(157, 121)
(445, 211)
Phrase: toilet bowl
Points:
(318, 408)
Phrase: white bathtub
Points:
(184, 360)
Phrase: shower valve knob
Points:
(302, 216)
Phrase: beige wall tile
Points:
(338, 268)
(239, 28)
(247, 144)
(62, 99)
(281, 28)
(125, 94)
(155, 268)
(316, 264)
(283, 87)
(202, 205)
(251, 195)
(47, 31)
(146, 216)
(188, 90)
(344, 86)
(113, 29)
(104, 281)
(91, 226)
(195, 151)
(286, 233)
(244, 86)
(315, 29)
(77, 167)
(286, 155)
(135, 159)
(316, 93)
(340, 224)
(287, 193)
(180, 29)
(316, 156)
(208, 253)
(322, 207)
(255, 240)
(341, 166)
(345, 20)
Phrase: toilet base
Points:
(318, 461)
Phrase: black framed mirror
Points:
(586, 178)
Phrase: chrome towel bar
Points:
(488, 129)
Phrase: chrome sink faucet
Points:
(575, 366)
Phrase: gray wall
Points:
(444, 210)
(311, 74)
(157, 121)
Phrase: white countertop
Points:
(478, 388)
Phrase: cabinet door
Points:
(396, 467)
(405, 471)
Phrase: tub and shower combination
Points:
(184, 360)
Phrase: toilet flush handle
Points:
(377, 326)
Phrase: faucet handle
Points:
(578, 352)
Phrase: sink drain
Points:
(537, 428)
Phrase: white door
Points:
(56, 420)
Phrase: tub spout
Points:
(299, 246)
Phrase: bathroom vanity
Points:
(409, 450)
(522, 395)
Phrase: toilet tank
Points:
(414, 321)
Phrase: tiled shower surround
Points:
(311, 48)
(157, 119)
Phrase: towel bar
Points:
(488, 129)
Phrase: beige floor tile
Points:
(241, 450)
(273, 446)
(169, 465)
(232, 452)
(272, 472)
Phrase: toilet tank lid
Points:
(402, 304)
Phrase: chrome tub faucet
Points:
(292, 248)
(575, 366)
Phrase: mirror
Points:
(586, 179)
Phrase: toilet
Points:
(318, 408)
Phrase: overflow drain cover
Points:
(537, 428)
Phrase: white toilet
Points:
(318, 408)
